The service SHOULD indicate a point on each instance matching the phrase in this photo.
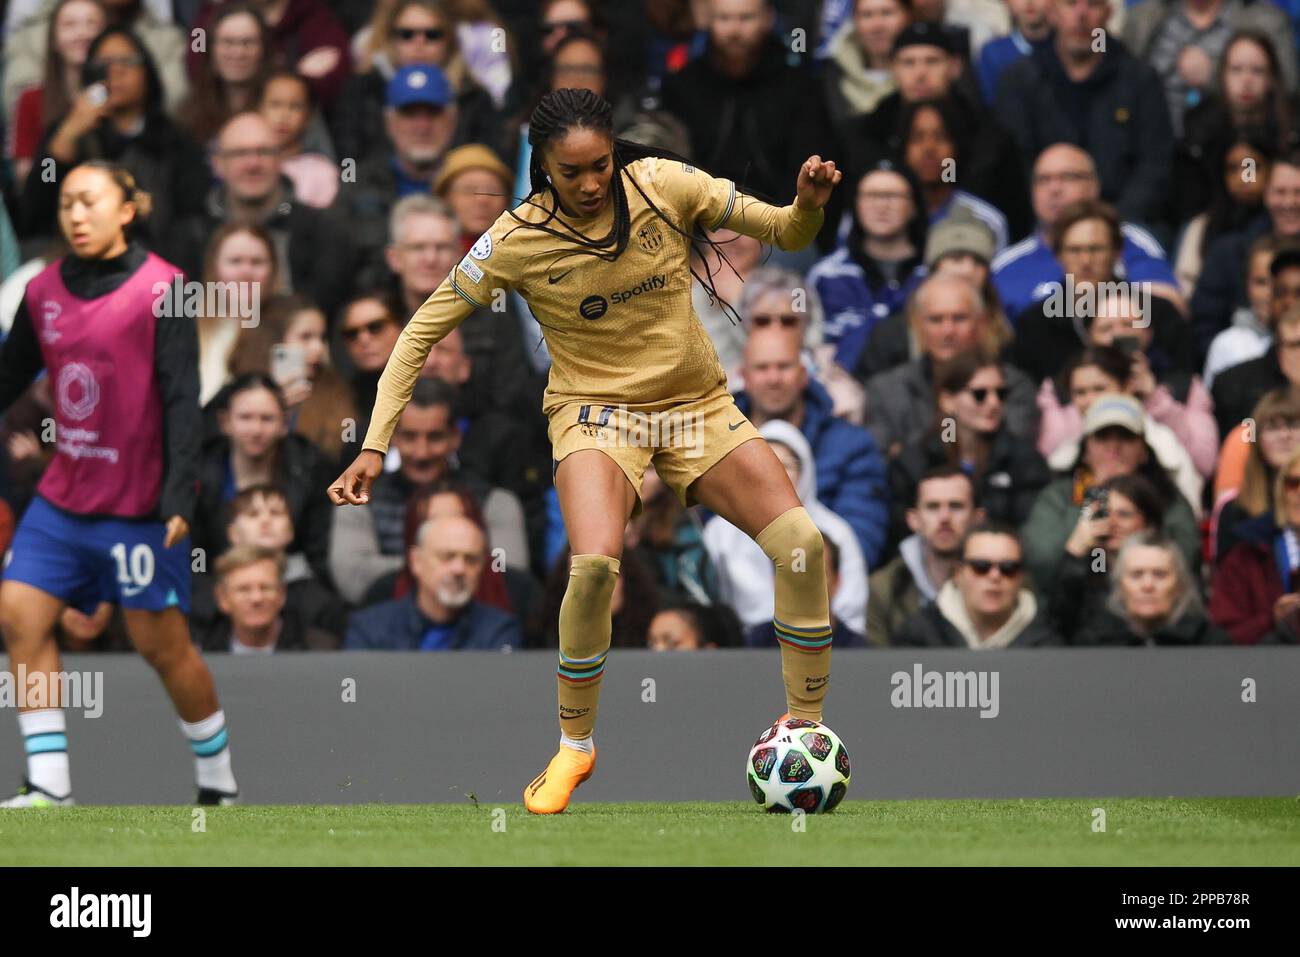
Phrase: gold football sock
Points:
(584, 641)
(802, 617)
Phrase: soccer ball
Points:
(798, 764)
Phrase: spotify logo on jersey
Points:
(593, 307)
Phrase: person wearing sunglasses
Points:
(1257, 583)
(1116, 442)
(987, 603)
(1154, 600)
(411, 33)
(970, 432)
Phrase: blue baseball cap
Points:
(419, 84)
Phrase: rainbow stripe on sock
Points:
(581, 670)
(805, 639)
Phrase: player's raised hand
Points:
(816, 180)
(177, 528)
(353, 486)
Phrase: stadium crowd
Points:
(1038, 382)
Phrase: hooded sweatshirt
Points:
(746, 577)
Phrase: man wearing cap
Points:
(1116, 441)
(926, 67)
(477, 186)
(419, 125)
(1099, 97)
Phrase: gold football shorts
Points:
(684, 441)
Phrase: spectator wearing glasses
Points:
(306, 36)
(986, 603)
(118, 116)
(970, 432)
(229, 80)
(1097, 96)
(26, 49)
(850, 473)
(256, 617)
(404, 34)
(948, 316)
(1086, 240)
(369, 330)
(1064, 174)
(958, 245)
(1154, 600)
(1257, 583)
(1275, 424)
(420, 245)
(252, 187)
(869, 278)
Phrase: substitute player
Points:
(600, 251)
(110, 520)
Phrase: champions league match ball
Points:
(798, 764)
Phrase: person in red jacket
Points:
(1256, 591)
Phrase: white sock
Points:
(211, 753)
(45, 739)
(586, 745)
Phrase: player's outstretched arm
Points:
(817, 177)
(353, 486)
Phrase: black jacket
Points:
(989, 163)
(756, 130)
(929, 629)
(1013, 476)
(164, 161)
(321, 257)
(1045, 343)
(176, 351)
(1237, 389)
(1106, 628)
(1119, 115)
(303, 472)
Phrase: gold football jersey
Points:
(620, 332)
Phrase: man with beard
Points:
(420, 128)
(441, 615)
(368, 543)
(944, 509)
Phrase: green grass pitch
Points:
(1210, 831)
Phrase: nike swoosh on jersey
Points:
(554, 279)
(733, 428)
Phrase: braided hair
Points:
(566, 109)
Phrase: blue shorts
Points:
(86, 561)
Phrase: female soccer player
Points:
(600, 251)
(110, 521)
